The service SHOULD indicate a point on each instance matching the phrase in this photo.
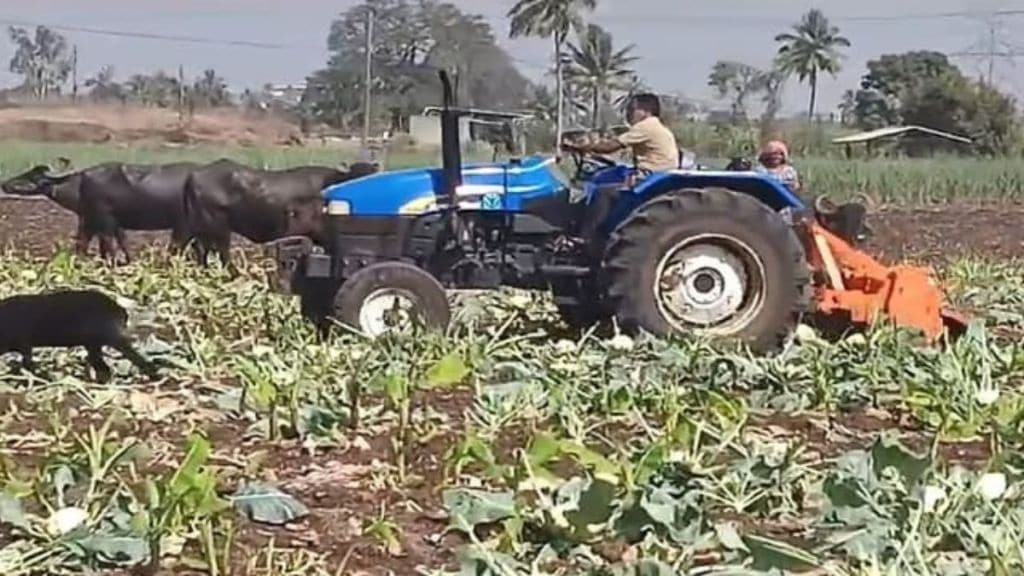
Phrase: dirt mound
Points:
(105, 123)
(45, 131)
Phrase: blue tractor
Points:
(687, 251)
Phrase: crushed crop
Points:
(508, 445)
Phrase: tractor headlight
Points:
(339, 208)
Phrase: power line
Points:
(993, 46)
(724, 18)
(154, 36)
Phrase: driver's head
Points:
(642, 107)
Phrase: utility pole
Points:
(74, 73)
(368, 91)
(181, 94)
(993, 45)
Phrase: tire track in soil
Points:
(922, 234)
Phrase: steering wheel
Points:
(587, 163)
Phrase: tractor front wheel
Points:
(708, 262)
(391, 296)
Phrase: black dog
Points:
(65, 319)
(739, 164)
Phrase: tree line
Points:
(917, 87)
(45, 62)
(593, 77)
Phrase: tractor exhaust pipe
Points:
(451, 147)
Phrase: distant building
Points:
(287, 94)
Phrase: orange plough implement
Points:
(854, 284)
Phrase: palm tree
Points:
(597, 67)
(811, 48)
(552, 19)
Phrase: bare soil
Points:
(930, 235)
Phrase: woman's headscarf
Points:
(776, 147)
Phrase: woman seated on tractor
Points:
(774, 160)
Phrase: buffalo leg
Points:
(179, 240)
(223, 246)
(83, 238)
(122, 244)
(201, 250)
(124, 346)
(107, 248)
(27, 364)
(98, 364)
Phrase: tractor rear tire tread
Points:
(638, 243)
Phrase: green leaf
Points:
(12, 513)
(268, 505)
(447, 372)
(63, 478)
(116, 550)
(469, 508)
(729, 537)
(396, 388)
(601, 466)
(888, 452)
(768, 554)
(542, 449)
(593, 504)
(185, 477)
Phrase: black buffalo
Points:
(113, 197)
(847, 221)
(261, 205)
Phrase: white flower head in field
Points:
(564, 347)
(987, 396)
(932, 496)
(775, 452)
(857, 339)
(992, 486)
(29, 275)
(519, 300)
(66, 520)
(261, 350)
(621, 343)
(806, 335)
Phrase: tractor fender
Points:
(765, 188)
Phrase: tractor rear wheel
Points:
(708, 262)
(391, 296)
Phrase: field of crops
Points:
(937, 181)
(511, 446)
(507, 446)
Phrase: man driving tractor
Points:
(652, 143)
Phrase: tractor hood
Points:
(410, 192)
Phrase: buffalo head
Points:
(305, 218)
(37, 181)
(845, 220)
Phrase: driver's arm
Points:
(606, 147)
(603, 147)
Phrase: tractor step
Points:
(565, 271)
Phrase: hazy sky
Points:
(677, 40)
